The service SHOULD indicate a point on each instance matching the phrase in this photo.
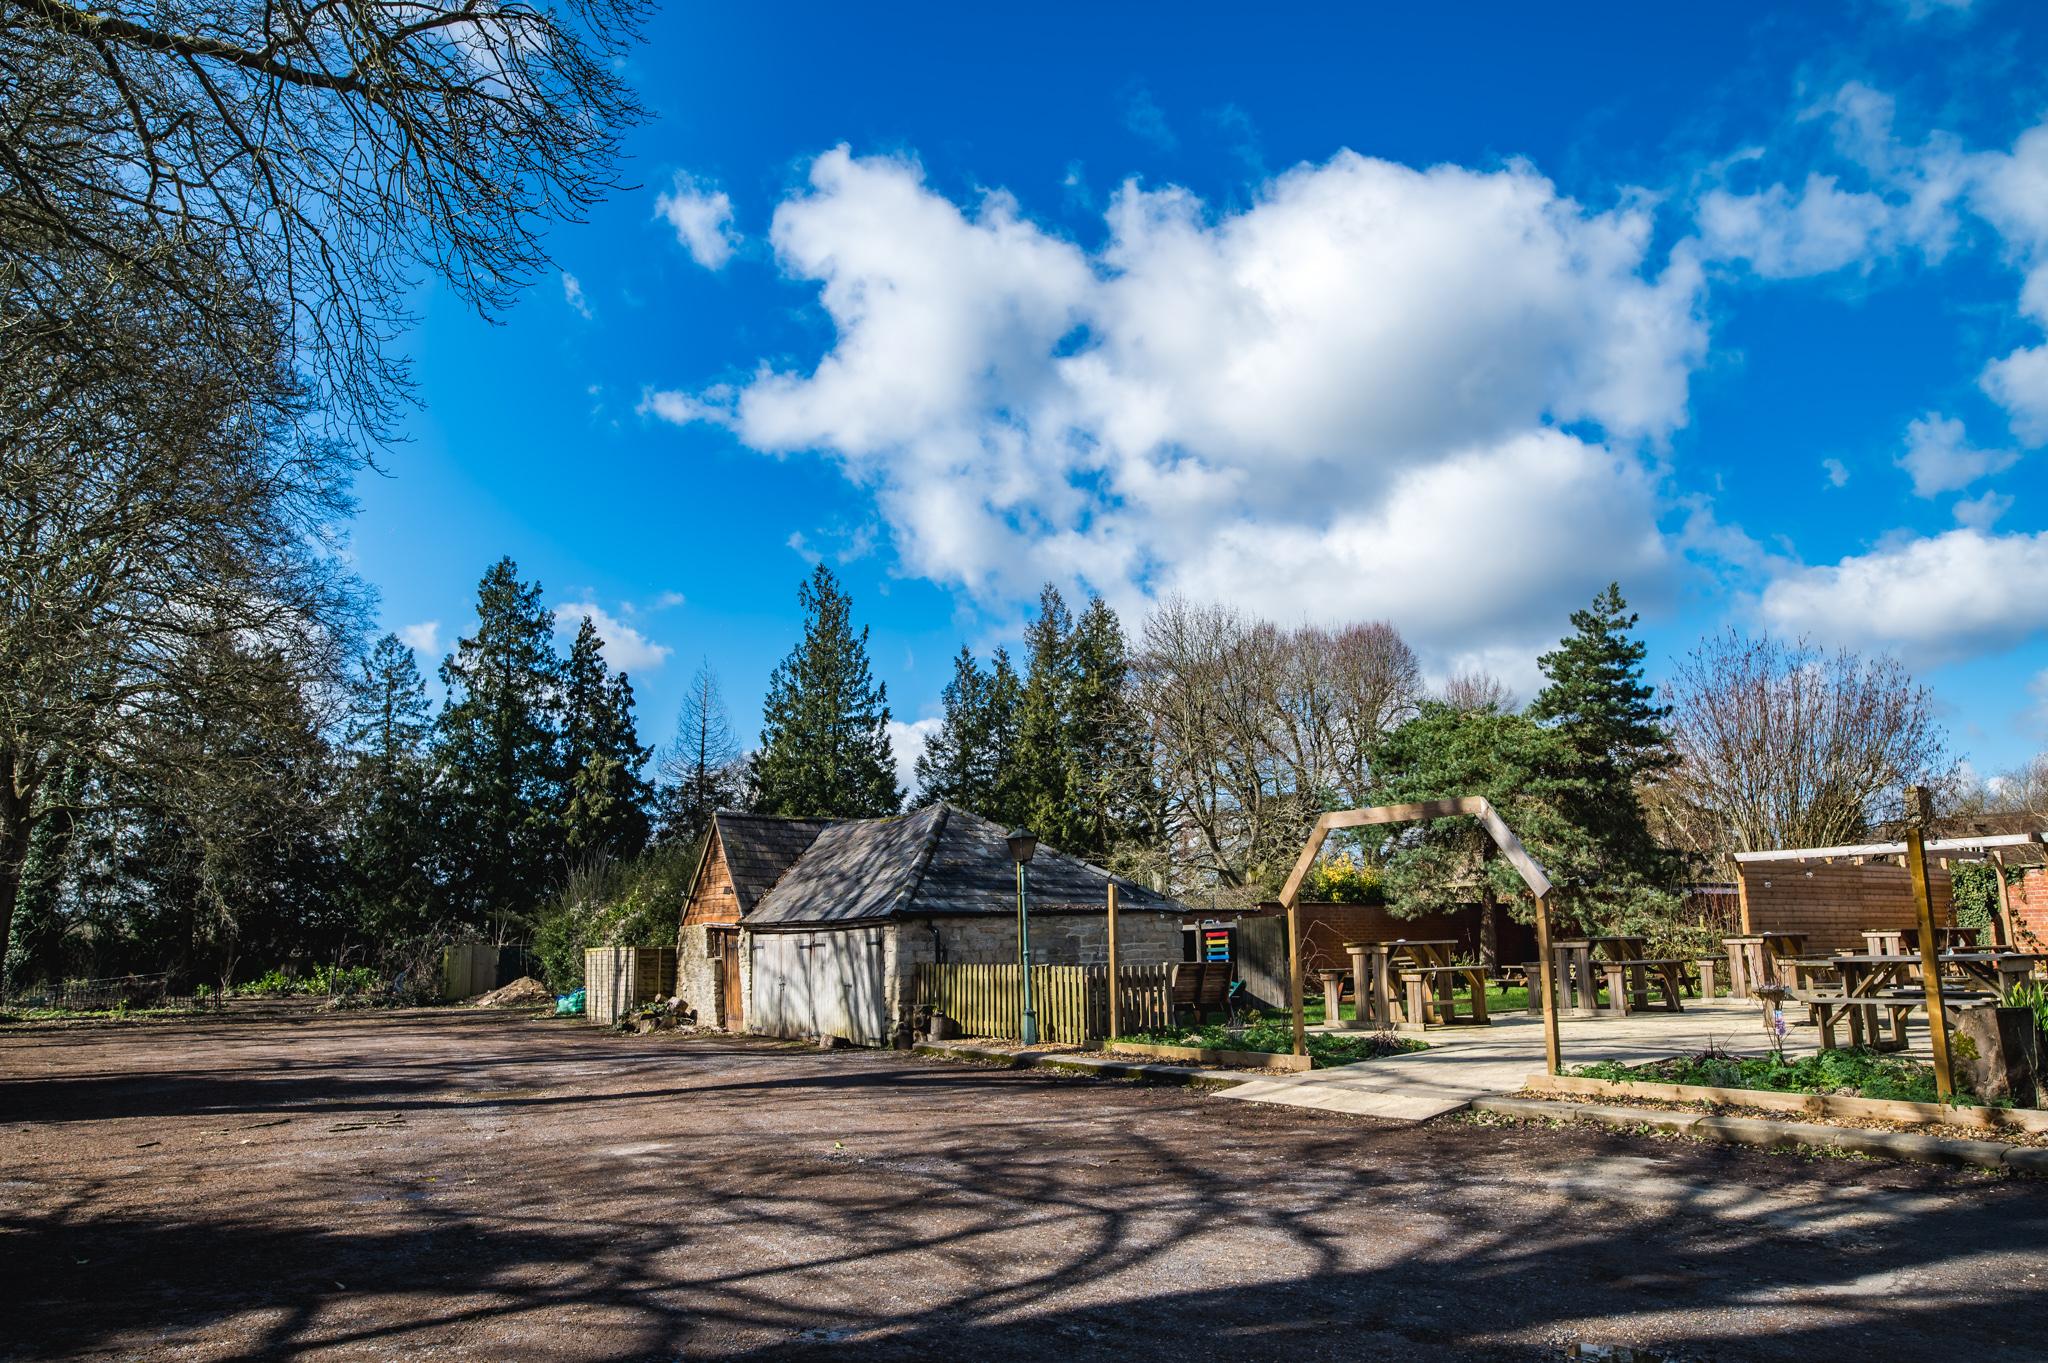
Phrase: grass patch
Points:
(1275, 1036)
(1847, 1073)
(1498, 1000)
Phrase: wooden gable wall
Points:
(713, 900)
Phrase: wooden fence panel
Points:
(1072, 1000)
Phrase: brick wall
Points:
(2029, 899)
(1834, 904)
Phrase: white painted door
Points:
(818, 984)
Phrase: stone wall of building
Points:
(697, 972)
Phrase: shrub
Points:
(1343, 879)
(613, 903)
(1973, 886)
(1275, 1035)
(1855, 1073)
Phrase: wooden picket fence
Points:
(1072, 1001)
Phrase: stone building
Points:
(807, 927)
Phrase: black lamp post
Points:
(1023, 842)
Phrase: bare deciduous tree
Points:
(1256, 730)
(323, 150)
(1790, 745)
(166, 550)
(1478, 691)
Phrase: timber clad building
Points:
(816, 927)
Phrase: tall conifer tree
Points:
(701, 771)
(390, 840)
(498, 756)
(963, 764)
(1106, 739)
(1042, 774)
(825, 727)
(606, 795)
(1599, 704)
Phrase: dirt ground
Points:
(463, 1185)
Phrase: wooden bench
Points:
(1629, 984)
(1201, 987)
(1428, 1002)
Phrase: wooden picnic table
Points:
(1753, 958)
(1886, 986)
(1376, 967)
(1905, 941)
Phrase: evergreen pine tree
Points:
(964, 761)
(1597, 697)
(389, 843)
(1106, 739)
(701, 772)
(825, 725)
(498, 756)
(1599, 704)
(606, 812)
(1040, 781)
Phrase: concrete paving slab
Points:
(1462, 1063)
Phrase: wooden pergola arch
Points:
(1476, 806)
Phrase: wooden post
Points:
(1546, 968)
(1742, 898)
(1930, 965)
(1294, 972)
(1115, 1013)
(2008, 935)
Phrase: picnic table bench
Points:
(1629, 983)
(1432, 998)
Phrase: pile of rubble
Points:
(661, 1015)
(524, 992)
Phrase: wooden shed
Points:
(616, 980)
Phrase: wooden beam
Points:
(1930, 966)
(1742, 898)
(1545, 970)
(1115, 1014)
(1893, 849)
(2011, 937)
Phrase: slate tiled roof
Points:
(937, 861)
(759, 848)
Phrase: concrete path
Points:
(1466, 1063)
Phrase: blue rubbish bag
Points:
(569, 1005)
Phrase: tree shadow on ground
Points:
(777, 1203)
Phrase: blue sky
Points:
(1444, 317)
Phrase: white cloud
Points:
(1932, 599)
(668, 601)
(1230, 402)
(1784, 236)
(625, 647)
(423, 638)
(1940, 458)
(572, 294)
(1837, 472)
(2019, 383)
(1981, 513)
(907, 743)
(702, 219)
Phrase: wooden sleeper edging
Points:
(1101, 1067)
(1765, 1133)
(1810, 1104)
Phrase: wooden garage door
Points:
(816, 984)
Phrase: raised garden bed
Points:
(1830, 1106)
(1203, 1055)
(1839, 1073)
(1269, 1041)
